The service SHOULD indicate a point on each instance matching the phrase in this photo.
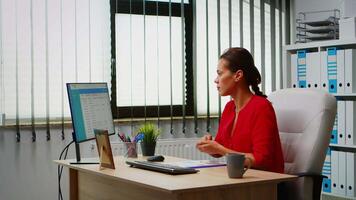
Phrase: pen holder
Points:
(130, 149)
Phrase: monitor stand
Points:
(87, 161)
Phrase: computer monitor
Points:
(90, 109)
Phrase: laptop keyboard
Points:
(161, 167)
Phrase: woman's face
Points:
(225, 80)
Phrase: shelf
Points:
(336, 195)
(342, 147)
(345, 97)
(326, 22)
(301, 35)
(321, 44)
(300, 28)
(320, 37)
(327, 29)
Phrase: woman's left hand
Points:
(211, 147)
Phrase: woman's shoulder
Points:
(230, 105)
(228, 109)
(261, 102)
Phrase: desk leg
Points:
(73, 184)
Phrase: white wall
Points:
(346, 7)
(317, 5)
(27, 170)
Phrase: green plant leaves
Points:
(150, 132)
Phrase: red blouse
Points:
(256, 132)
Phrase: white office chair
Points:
(305, 120)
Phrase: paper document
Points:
(198, 163)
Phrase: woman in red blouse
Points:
(248, 124)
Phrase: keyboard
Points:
(160, 167)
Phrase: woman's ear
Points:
(238, 75)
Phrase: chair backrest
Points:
(305, 120)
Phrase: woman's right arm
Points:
(205, 138)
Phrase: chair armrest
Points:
(317, 182)
(307, 174)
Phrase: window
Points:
(236, 32)
(240, 24)
(45, 45)
(131, 63)
(153, 58)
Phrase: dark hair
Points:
(241, 59)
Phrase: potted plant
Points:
(150, 135)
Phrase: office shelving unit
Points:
(313, 47)
(335, 196)
(345, 97)
(341, 147)
(315, 30)
(287, 83)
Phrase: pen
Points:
(84, 163)
(128, 139)
(122, 137)
(138, 137)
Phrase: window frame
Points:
(123, 7)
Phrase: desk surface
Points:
(206, 178)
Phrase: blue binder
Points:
(327, 172)
(333, 139)
(301, 68)
(332, 69)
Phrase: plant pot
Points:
(148, 149)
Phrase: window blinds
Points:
(256, 25)
(45, 44)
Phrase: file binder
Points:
(334, 172)
(327, 172)
(350, 171)
(342, 173)
(313, 69)
(324, 71)
(350, 138)
(301, 68)
(332, 69)
(341, 114)
(350, 70)
(294, 78)
(340, 63)
(333, 139)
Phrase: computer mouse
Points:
(158, 158)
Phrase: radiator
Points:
(179, 147)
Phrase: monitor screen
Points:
(90, 109)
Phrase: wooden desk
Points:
(88, 182)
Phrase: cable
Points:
(60, 169)
(60, 174)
